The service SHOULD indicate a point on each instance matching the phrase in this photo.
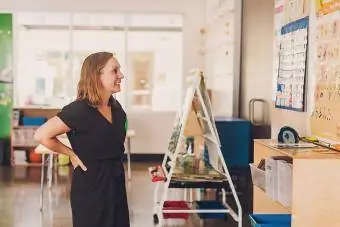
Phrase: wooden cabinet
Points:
(262, 203)
(315, 187)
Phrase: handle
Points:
(251, 111)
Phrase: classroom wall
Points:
(152, 129)
(222, 37)
(258, 77)
(298, 120)
(257, 54)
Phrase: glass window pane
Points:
(43, 60)
(155, 67)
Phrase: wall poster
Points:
(325, 119)
(278, 19)
(291, 80)
(324, 7)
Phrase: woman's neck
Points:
(105, 99)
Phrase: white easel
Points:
(205, 118)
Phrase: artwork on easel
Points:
(179, 121)
(290, 93)
(325, 119)
(207, 103)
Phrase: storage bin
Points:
(210, 205)
(258, 176)
(285, 178)
(270, 220)
(33, 121)
(175, 205)
(24, 137)
(271, 178)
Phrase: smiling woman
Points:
(99, 71)
(95, 125)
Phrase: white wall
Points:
(153, 140)
(222, 54)
(258, 76)
(257, 54)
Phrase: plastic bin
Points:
(285, 181)
(270, 220)
(175, 205)
(258, 176)
(210, 205)
(271, 178)
(33, 121)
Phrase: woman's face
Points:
(111, 76)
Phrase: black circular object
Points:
(288, 135)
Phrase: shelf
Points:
(25, 126)
(24, 147)
(29, 165)
(304, 153)
(36, 107)
(198, 184)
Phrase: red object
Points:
(156, 173)
(34, 157)
(175, 205)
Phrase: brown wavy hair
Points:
(89, 85)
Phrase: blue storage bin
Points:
(270, 220)
(33, 121)
(210, 205)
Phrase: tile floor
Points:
(19, 199)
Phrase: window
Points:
(155, 61)
(43, 46)
(155, 64)
(52, 47)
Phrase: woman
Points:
(95, 126)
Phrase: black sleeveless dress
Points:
(98, 196)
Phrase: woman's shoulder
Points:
(77, 105)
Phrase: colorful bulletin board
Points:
(325, 119)
(6, 75)
(324, 7)
(290, 91)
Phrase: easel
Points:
(214, 175)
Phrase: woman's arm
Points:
(47, 136)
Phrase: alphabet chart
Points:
(290, 93)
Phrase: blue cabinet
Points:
(236, 141)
